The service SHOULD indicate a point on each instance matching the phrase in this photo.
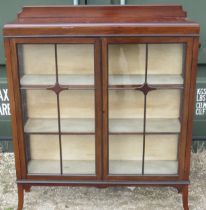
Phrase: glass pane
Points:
(161, 154)
(36, 64)
(76, 64)
(163, 111)
(78, 153)
(40, 111)
(165, 63)
(126, 111)
(125, 154)
(41, 157)
(77, 108)
(126, 64)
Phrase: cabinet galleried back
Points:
(102, 95)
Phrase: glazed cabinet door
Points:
(145, 105)
(60, 89)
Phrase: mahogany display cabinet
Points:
(102, 95)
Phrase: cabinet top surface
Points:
(170, 17)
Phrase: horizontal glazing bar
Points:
(67, 125)
(68, 87)
(138, 87)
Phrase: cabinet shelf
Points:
(151, 167)
(69, 80)
(68, 126)
(116, 166)
(69, 166)
(135, 126)
(154, 80)
(116, 126)
(65, 80)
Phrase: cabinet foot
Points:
(27, 188)
(185, 197)
(179, 189)
(20, 197)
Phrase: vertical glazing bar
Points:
(145, 107)
(60, 140)
(98, 109)
(183, 75)
(105, 125)
(146, 63)
(58, 109)
(56, 64)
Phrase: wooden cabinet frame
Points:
(155, 24)
(186, 109)
(98, 104)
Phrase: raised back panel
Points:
(94, 14)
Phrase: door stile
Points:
(105, 108)
(191, 104)
(98, 109)
(12, 86)
(17, 98)
(185, 108)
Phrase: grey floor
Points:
(60, 198)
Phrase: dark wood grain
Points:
(193, 72)
(105, 145)
(185, 109)
(12, 107)
(185, 197)
(101, 26)
(102, 20)
(94, 30)
(98, 110)
(179, 183)
(93, 14)
(18, 106)
(20, 190)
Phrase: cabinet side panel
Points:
(184, 106)
(11, 88)
(191, 106)
(18, 109)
